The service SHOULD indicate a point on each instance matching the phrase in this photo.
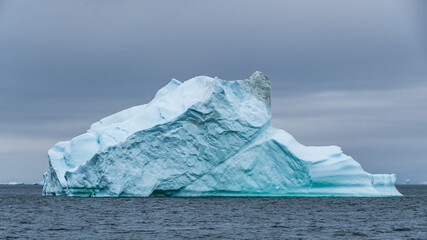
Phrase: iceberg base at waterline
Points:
(203, 137)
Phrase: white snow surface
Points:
(203, 137)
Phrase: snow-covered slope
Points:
(203, 137)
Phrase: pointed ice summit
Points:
(203, 137)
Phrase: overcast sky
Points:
(347, 73)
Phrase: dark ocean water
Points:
(24, 213)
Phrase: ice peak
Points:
(259, 84)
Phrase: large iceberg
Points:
(203, 137)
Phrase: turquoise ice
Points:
(203, 137)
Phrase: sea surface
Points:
(24, 213)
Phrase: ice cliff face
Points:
(203, 137)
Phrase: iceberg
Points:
(41, 183)
(203, 137)
(12, 183)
